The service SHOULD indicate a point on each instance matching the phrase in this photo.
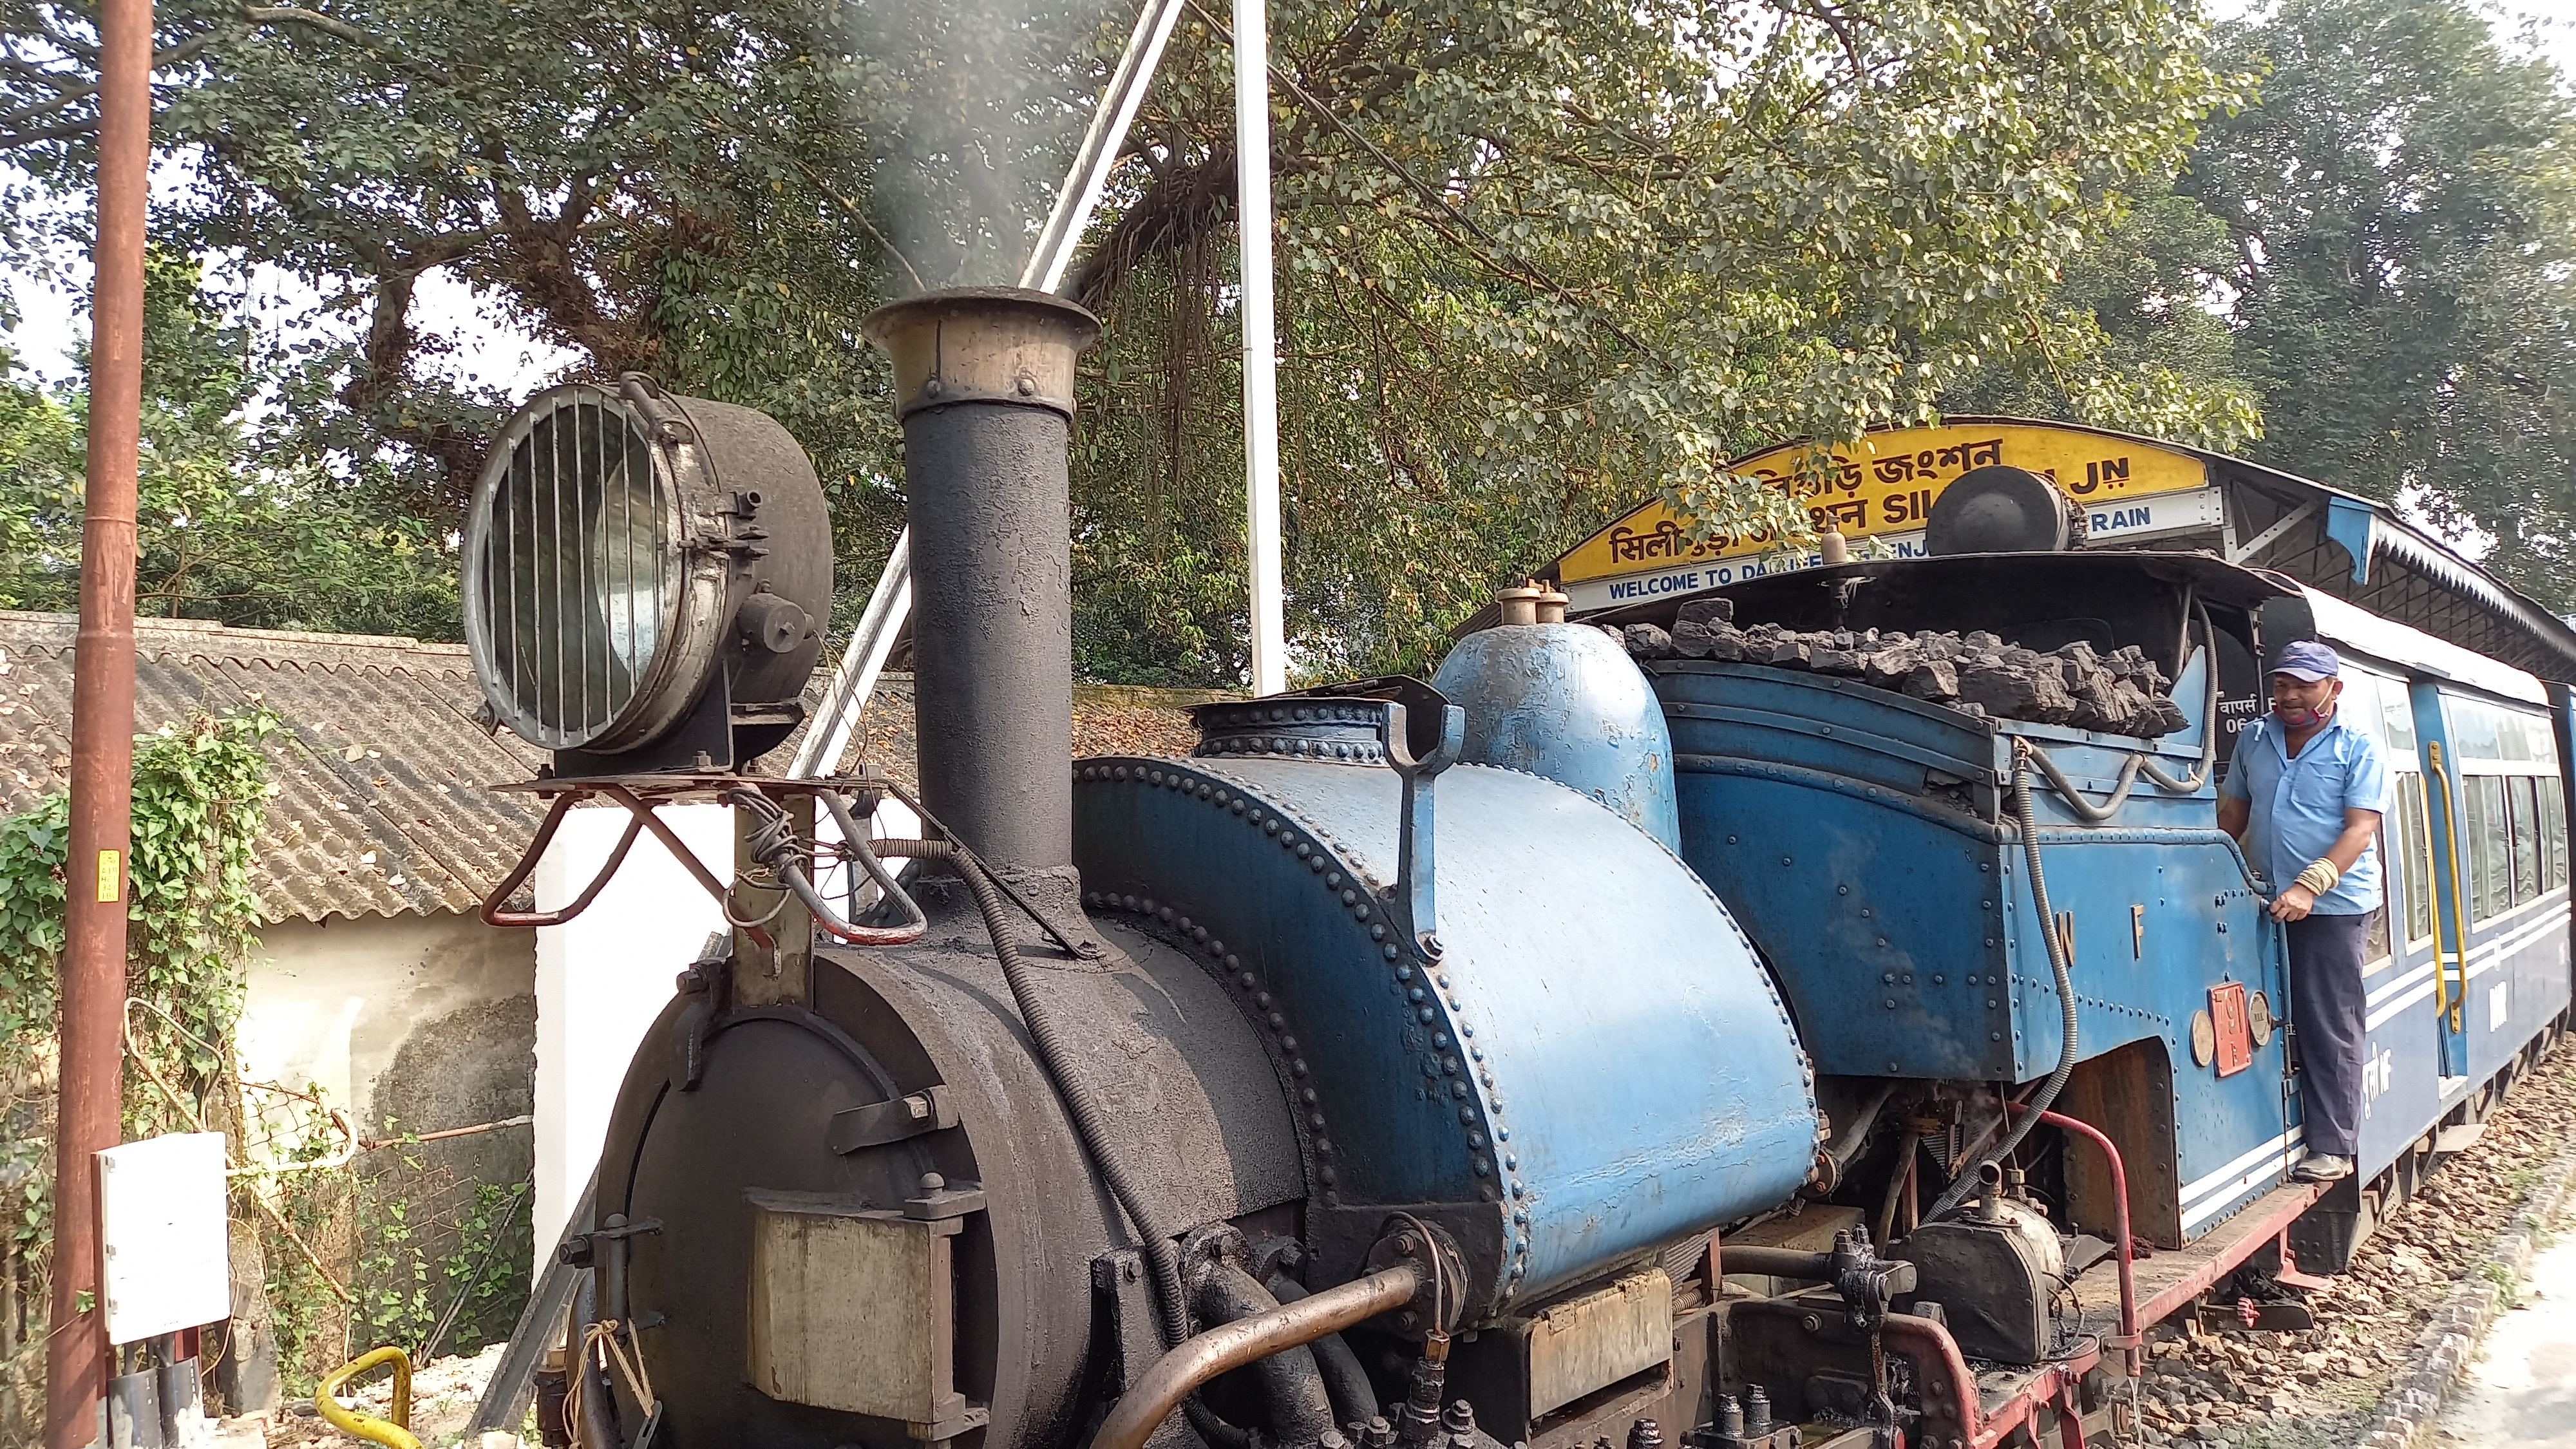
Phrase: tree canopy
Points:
(2399, 204)
(1537, 260)
(224, 529)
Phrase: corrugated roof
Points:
(381, 803)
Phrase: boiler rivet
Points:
(1028, 386)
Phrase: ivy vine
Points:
(199, 794)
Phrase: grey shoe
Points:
(2322, 1167)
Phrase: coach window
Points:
(2414, 852)
(2490, 853)
(2553, 834)
(2526, 840)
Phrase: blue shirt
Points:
(2297, 805)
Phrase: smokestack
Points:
(984, 386)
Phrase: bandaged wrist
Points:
(2320, 876)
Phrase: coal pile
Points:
(1977, 673)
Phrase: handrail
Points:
(2451, 1004)
(394, 1434)
(2129, 1342)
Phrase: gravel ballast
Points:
(2393, 1330)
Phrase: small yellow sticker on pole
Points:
(111, 886)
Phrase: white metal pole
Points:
(1260, 346)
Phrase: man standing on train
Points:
(2304, 792)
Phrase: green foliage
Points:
(198, 796)
(2142, 296)
(33, 844)
(410, 1289)
(1537, 261)
(1588, 252)
(228, 527)
(2400, 205)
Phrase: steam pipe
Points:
(1354, 1397)
(92, 1031)
(1847, 1146)
(1778, 1263)
(2129, 1342)
(1180, 1373)
(1292, 1386)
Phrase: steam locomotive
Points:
(1571, 1050)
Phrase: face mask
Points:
(2299, 717)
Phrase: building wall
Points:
(414, 1023)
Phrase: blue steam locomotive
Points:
(1680, 1024)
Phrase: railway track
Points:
(2323, 1387)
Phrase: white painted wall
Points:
(331, 1003)
(605, 975)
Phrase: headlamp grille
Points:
(578, 581)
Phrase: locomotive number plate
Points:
(2235, 1028)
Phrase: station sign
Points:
(1881, 489)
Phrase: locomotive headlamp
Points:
(646, 579)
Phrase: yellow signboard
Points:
(1885, 484)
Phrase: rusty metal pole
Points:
(92, 1073)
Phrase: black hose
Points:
(1966, 1178)
(598, 1428)
(1848, 1145)
(1354, 1397)
(2138, 763)
(1056, 1057)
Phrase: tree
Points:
(1538, 259)
(1541, 260)
(2400, 205)
(225, 529)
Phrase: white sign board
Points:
(166, 1234)
(2132, 519)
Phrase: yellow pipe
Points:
(2451, 1004)
(394, 1435)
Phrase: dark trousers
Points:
(2327, 1008)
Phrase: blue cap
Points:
(2309, 660)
